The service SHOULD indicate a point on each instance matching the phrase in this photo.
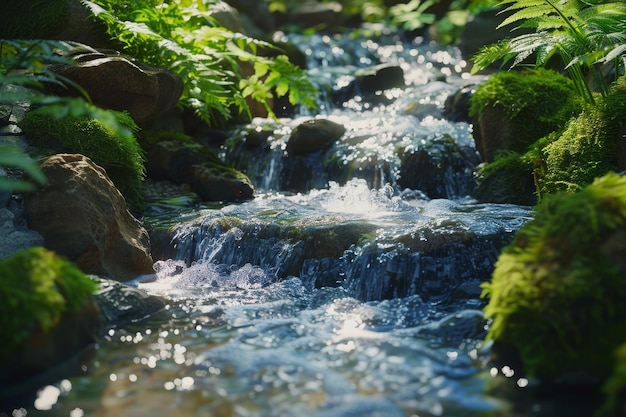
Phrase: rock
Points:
(369, 82)
(255, 17)
(82, 216)
(314, 135)
(457, 105)
(218, 183)
(227, 16)
(120, 83)
(194, 164)
(80, 26)
(313, 14)
(121, 304)
(43, 351)
(441, 169)
(14, 238)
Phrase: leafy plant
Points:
(23, 74)
(183, 36)
(588, 36)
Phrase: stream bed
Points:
(357, 296)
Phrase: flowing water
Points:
(355, 297)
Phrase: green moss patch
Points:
(537, 102)
(587, 148)
(37, 287)
(558, 292)
(120, 155)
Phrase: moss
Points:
(615, 387)
(37, 287)
(587, 148)
(32, 19)
(558, 292)
(508, 179)
(537, 102)
(120, 156)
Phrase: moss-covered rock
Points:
(32, 19)
(587, 149)
(508, 179)
(558, 293)
(514, 109)
(615, 387)
(121, 156)
(37, 287)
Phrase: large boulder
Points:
(82, 216)
(120, 83)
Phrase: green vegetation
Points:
(11, 156)
(557, 293)
(37, 287)
(615, 387)
(183, 37)
(535, 101)
(587, 147)
(587, 35)
(23, 73)
(120, 155)
(32, 19)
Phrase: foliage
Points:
(182, 36)
(535, 101)
(587, 148)
(12, 156)
(32, 19)
(23, 73)
(557, 292)
(588, 35)
(37, 287)
(120, 155)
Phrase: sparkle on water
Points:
(234, 341)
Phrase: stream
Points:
(350, 295)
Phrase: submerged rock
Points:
(82, 216)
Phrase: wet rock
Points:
(218, 183)
(441, 169)
(314, 135)
(120, 83)
(82, 216)
(121, 304)
(196, 165)
(457, 105)
(369, 82)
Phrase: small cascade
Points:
(374, 244)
